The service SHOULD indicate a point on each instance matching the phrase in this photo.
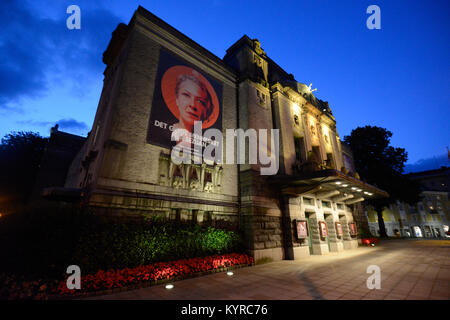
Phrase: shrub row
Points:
(123, 245)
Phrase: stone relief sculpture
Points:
(195, 185)
(208, 187)
(257, 47)
(177, 182)
(195, 177)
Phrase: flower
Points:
(157, 271)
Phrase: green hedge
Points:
(125, 245)
(47, 243)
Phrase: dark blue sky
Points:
(396, 77)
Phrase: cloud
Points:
(72, 124)
(69, 125)
(428, 164)
(38, 51)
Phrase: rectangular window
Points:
(316, 152)
(194, 216)
(300, 153)
(175, 214)
(330, 161)
(308, 201)
(207, 216)
(326, 204)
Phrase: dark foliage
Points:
(382, 165)
(20, 156)
(44, 244)
(131, 245)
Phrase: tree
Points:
(20, 156)
(380, 164)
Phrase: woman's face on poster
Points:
(193, 102)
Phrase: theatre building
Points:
(157, 80)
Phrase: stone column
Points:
(319, 246)
(167, 214)
(349, 241)
(185, 214)
(346, 230)
(336, 244)
(300, 246)
(308, 139)
(286, 226)
(199, 216)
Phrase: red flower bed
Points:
(104, 280)
(369, 241)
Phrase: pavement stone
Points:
(410, 269)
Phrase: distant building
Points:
(429, 218)
(61, 149)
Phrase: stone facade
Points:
(127, 175)
(124, 175)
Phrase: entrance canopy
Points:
(328, 184)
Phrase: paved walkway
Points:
(410, 269)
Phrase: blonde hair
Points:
(185, 77)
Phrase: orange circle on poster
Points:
(169, 83)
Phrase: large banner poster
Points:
(183, 95)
